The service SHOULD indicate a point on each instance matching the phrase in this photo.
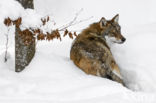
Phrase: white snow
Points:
(52, 77)
(31, 19)
(10, 8)
(138, 56)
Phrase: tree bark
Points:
(23, 53)
(27, 3)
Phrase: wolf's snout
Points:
(123, 39)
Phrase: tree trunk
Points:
(23, 53)
(26, 3)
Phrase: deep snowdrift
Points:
(52, 77)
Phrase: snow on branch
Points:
(28, 34)
(31, 25)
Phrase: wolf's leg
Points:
(88, 65)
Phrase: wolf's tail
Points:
(115, 75)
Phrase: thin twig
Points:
(71, 22)
(6, 45)
(74, 22)
(82, 20)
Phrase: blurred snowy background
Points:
(53, 78)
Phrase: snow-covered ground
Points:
(51, 77)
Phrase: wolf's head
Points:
(111, 29)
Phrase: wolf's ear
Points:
(116, 18)
(103, 22)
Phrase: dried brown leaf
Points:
(7, 21)
(70, 35)
(48, 18)
(75, 34)
(65, 33)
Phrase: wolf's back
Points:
(92, 55)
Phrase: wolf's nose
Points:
(123, 39)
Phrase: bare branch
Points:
(64, 27)
(82, 20)
(74, 22)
